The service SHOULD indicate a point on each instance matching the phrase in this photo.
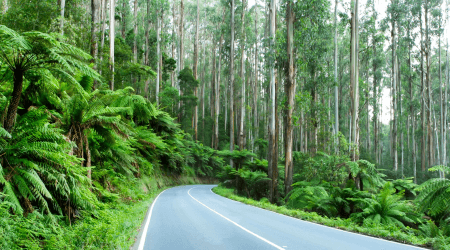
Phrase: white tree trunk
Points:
(102, 39)
(242, 41)
(354, 78)
(135, 31)
(158, 55)
(195, 69)
(272, 157)
(63, 8)
(232, 82)
(111, 40)
(336, 92)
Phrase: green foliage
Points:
(306, 195)
(387, 207)
(38, 171)
(84, 156)
(43, 55)
(324, 198)
(406, 185)
(434, 197)
(329, 168)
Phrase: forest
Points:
(329, 111)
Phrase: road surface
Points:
(193, 217)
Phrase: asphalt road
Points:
(193, 217)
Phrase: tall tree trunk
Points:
(111, 40)
(61, 23)
(217, 98)
(290, 92)
(423, 96)
(102, 39)
(444, 136)
(441, 99)
(181, 51)
(158, 54)
(336, 92)
(393, 92)
(94, 25)
(124, 19)
(242, 75)
(232, 82)
(147, 48)
(272, 156)
(174, 42)
(354, 78)
(213, 93)
(181, 35)
(375, 86)
(135, 31)
(411, 107)
(255, 86)
(195, 69)
(429, 90)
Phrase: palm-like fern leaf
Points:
(434, 196)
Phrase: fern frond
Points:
(4, 133)
(12, 198)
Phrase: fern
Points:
(386, 208)
(39, 168)
(434, 197)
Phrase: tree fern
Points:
(434, 197)
(38, 168)
(38, 53)
(386, 207)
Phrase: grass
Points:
(393, 233)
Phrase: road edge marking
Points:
(318, 224)
(144, 233)
(241, 227)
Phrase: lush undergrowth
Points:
(390, 232)
(113, 225)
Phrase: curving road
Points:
(193, 217)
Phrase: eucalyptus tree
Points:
(255, 133)
(394, 77)
(158, 49)
(219, 73)
(195, 70)
(147, 46)
(241, 139)
(103, 10)
(354, 78)
(273, 143)
(232, 81)
(61, 22)
(95, 6)
(441, 99)
(290, 92)
(112, 7)
(135, 31)
(336, 92)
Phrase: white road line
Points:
(144, 233)
(243, 228)
(314, 223)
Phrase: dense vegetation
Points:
(103, 103)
